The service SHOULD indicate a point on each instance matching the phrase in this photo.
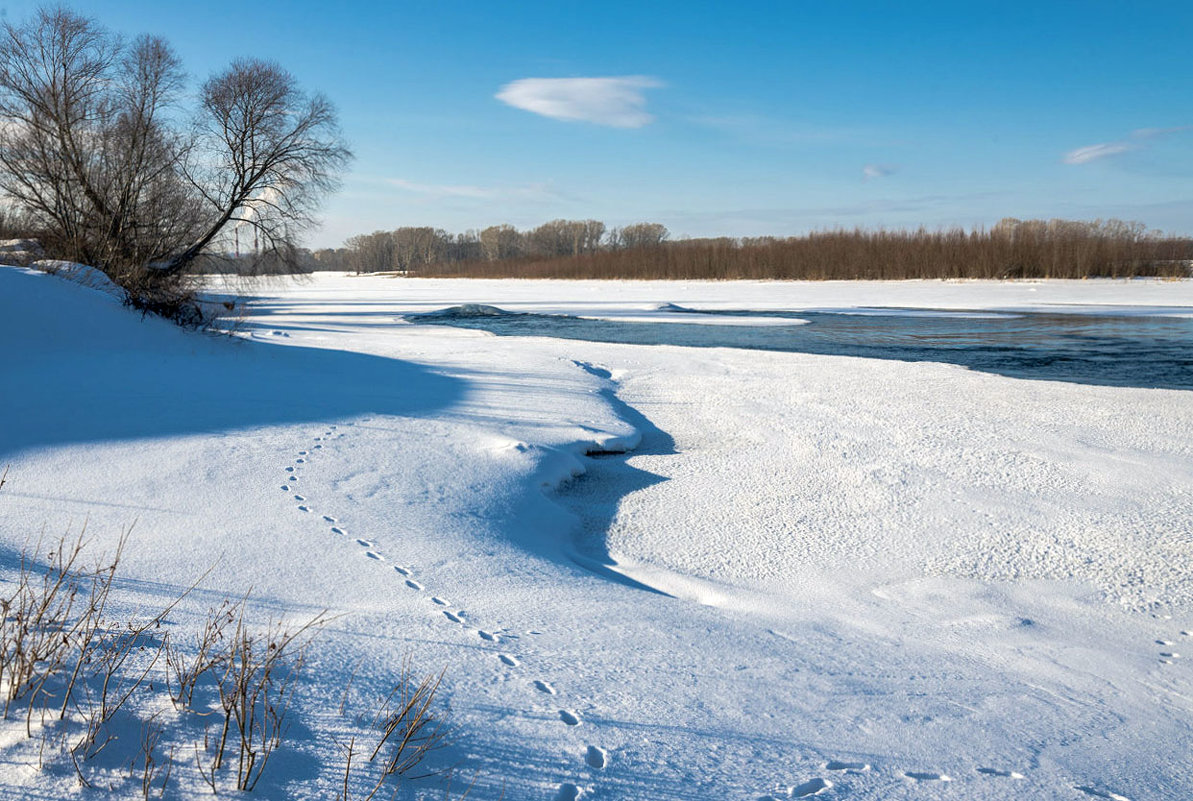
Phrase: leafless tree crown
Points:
(98, 155)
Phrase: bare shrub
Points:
(185, 669)
(152, 770)
(51, 618)
(408, 728)
(87, 678)
(255, 689)
(62, 658)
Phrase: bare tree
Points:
(265, 154)
(86, 151)
(501, 242)
(418, 246)
(371, 253)
(93, 154)
(567, 237)
(639, 235)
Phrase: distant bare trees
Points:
(566, 237)
(98, 157)
(501, 242)
(639, 235)
(416, 248)
(370, 253)
(1011, 249)
(586, 249)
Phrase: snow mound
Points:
(80, 274)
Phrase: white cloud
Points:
(616, 102)
(873, 171)
(1084, 155)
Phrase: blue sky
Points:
(725, 118)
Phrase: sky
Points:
(724, 118)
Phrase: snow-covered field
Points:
(809, 574)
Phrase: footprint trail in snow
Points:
(595, 757)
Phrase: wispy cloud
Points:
(1084, 155)
(443, 190)
(874, 171)
(1152, 133)
(757, 129)
(1136, 140)
(533, 191)
(616, 102)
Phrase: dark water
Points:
(1112, 350)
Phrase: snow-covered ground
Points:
(811, 574)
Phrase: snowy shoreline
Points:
(914, 568)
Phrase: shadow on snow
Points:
(78, 368)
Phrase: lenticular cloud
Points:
(616, 102)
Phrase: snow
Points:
(807, 575)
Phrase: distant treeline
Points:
(587, 249)
(416, 249)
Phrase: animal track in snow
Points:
(317, 447)
(452, 616)
(596, 757)
(927, 776)
(329, 518)
(289, 469)
(364, 543)
(811, 788)
(300, 460)
(414, 585)
(1005, 774)
(375, 555)
(304, 509)
(570, 718)
(1170, 655)
(405, 571)
(285, 488)
(337, 530)
(544, 687)
(1096, 793)
(302, 453)
(568, 792)
(439, 601)
(299, 498)
(292, 478)
(849, 767)
(506, 659)
(490, 637)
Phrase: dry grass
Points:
(84, 683)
